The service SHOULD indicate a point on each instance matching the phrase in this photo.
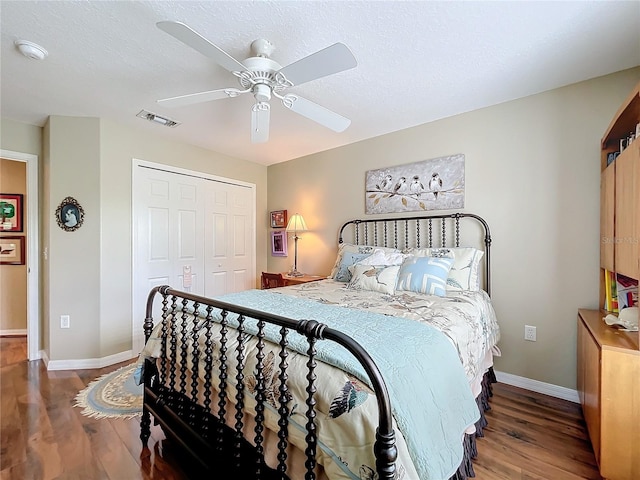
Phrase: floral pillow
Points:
(351, 248)
(348, 259)
(425, 275)
(374, 278)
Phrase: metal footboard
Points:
(187, 408)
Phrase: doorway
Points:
(32, 258)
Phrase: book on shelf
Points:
(614, 293)
(607, 291)
(627, 291)
(610, 292)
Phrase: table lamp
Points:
(296, 224)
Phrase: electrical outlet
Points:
(65, 321)
(530, 333)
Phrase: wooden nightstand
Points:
(303, 279)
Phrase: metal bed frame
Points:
(172, 390)
(406, 232)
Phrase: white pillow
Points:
(465, 272)
(374, 278)
(380, 257)
(350, 247)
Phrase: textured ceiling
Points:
(417, 62)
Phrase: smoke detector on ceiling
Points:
(31, 50)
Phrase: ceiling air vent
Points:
(152, 117)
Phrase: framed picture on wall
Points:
(279, 243)
(11, 250)
(69, 214)
(278, 219)
(11, 212)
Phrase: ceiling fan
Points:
(264, 78)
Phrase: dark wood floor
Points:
(530, 436)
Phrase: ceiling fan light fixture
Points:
(31, 50)
(262, 92)
(153, 117)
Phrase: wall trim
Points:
(539, 387)
(86, 363)
(16, 332)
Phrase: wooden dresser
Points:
(609, 389)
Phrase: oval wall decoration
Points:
(69, 214)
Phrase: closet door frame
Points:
(136, 179)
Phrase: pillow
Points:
(350, 247)
(374, 278)
(380, 257)
(425, 275)
(465, 272)
(343, 274)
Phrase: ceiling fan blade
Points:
(328, 61)
(260, 113)
(193, 39)
(192, 98)
(315, 112)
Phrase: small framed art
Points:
(11, 212)
(11, 250)
(279, 243)
(278, 219)
(69, 214)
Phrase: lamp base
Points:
(295, 273)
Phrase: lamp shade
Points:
(296, 224)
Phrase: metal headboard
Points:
(407, 232)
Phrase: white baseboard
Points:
(85, 363)
(539, 387)
(19, 332)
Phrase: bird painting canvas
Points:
(436, 184)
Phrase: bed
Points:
(382, 370)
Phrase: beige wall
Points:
(119, 146)
(73, 280)
(13, 278)
(87, 273)
(90, 270)
(532, 171)
(20, 137)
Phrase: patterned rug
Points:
(113, 395)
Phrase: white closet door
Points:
(193, 233)
(229, 263)
(169, 233)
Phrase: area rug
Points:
(113, 395)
